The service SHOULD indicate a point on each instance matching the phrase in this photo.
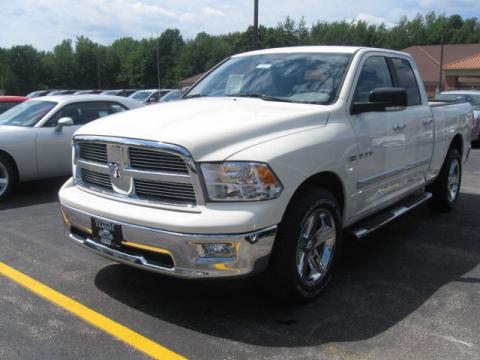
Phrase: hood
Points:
(212, 129)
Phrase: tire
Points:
(292, 278)
(446, 188)
(8, 178)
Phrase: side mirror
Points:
(151, 100)
(65, 121)
(381, 99)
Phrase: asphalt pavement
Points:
(409, 291)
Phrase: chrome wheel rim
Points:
(453, 180)
(3, 179)
(316, 247)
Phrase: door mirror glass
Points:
(65, 121)
(382, 99)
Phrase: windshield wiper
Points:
(262, 97)
(194, 96)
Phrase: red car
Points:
(7, 102)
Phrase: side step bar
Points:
(375, 222)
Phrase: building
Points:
(190, 81)
(428, 61)
(464, 73)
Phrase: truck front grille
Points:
(165, 191)
(147, 159)
(93, 152)
(137, 171)
(96, 179)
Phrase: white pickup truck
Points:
(264, 164)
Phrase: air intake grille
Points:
(165, 191)
(146, 159)
(94, 152)
(96, 179)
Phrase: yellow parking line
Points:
(109, 326)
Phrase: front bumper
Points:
(171, 253)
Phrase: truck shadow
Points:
(379, 283)
(34, 193)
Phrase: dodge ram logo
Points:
(115, 169)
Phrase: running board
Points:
(375, 222)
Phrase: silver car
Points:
(36, 135)
(471, 96)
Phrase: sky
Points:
(45, 23)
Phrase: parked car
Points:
(86, 92)
(7, 102)
(171, 96)
(150, 95)
(264, 164)
(473, 97)
(38, 93)
(35, 136)
(62, 92)
(119, 92)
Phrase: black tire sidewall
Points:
(283, 265)
(440, 188)
(11, 176)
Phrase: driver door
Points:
(54, 147)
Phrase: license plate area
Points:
(106, 232)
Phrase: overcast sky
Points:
(44, 23)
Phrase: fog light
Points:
(216, 250)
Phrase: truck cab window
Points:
(406, 79)
(375, 74)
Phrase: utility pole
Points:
(158, 63)
(255, 24)
(440, 78)
(98, 72)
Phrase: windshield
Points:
(141, 95)
(27, 113)
(110, 92)
(172, 95)
(302, 78)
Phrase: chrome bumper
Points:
(143, 247)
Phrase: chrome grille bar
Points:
(160, 175)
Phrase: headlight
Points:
(240, 181)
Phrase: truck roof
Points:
(318, 49)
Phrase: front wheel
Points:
(307, 246)
(446, 187)
(7, 177)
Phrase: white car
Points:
(36, 136)
(471, 96)
(264, 164)
(149, 95)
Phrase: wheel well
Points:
(11, 160)
(328, 181)
(457, 143)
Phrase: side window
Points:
(406, 79)
(374, 74)
(83, 113)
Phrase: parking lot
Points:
(409, 291)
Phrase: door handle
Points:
(398, 127)
(427, 122)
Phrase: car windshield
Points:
(312, 78)
(172, 95)
(27, 113)
(110, 92)
(141, 95)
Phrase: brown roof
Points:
(191, 80)
(469, 63)
(428, 57)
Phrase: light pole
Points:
(255, 24)
(158, 64)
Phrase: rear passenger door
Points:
(418, 121)
(54, 147)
